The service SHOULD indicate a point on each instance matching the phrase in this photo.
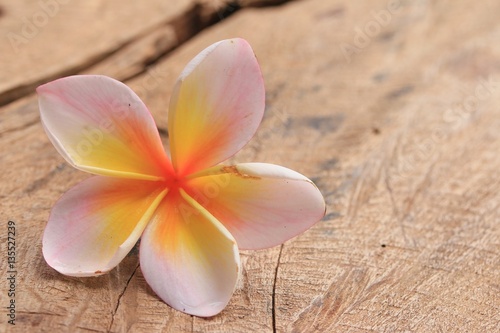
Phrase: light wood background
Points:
(391, 107)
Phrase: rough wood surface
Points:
(393, 108)
(47, 39)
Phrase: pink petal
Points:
(188, 258)
(95, 224)
(261, 205)
(216, 107)
(101, 126)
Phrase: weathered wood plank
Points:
(402, 136)
(123, 38)
(45, 39)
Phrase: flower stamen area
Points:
(174, 183)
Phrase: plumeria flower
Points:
(191, 214)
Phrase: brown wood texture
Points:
(391, 107)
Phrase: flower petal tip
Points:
(202, 310)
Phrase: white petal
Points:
(261, 205)
(188, 258)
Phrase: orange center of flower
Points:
(174, 181)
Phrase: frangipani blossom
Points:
(190, 213)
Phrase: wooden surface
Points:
(396, 120)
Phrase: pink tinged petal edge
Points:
(216, 106)
(96, 223)
(100, 125)
(188, 258)
(261, 205)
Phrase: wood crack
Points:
(118, 302)
(35, 185)
(22, 127)
(185, 26)
(195, 19)
(274, 288)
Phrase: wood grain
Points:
(47, 39)
(401, 135)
